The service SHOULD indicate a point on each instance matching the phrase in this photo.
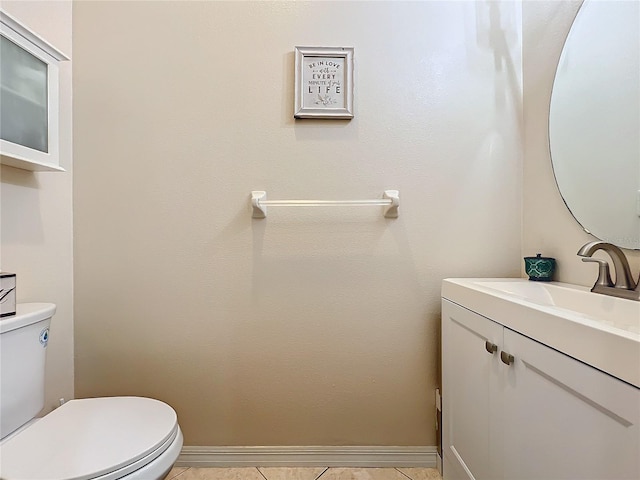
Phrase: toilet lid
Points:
(88, 438)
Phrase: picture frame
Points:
(324, 82)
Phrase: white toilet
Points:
(108, 438)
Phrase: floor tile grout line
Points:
(261, 474)
(178, 474)
(315, 478)
(402, 473)
(323, 472)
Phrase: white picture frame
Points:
(324, 82)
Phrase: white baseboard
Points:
(422, 456)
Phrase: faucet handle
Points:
(604, 277)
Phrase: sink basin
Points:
(613, 311)
(599, 330)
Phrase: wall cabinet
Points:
(29, 98)
(514, 408)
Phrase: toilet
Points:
(109, 438)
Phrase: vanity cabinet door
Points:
(470, 396)
(564, 419)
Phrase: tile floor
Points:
(290, 473)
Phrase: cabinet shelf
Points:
(22, 97)
(28, 164)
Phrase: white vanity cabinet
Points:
(471, 401)
(29, 98)
(514, 408)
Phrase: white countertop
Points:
(599, 330)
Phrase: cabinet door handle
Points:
(490, 347)
(506, 358)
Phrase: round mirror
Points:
(594, 122)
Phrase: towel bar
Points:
(390, 200)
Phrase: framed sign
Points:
(324, 82)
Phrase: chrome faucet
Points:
(624, 286)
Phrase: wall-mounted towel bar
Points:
(390, 200)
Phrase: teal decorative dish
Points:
(539, 268)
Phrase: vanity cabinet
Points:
(29, 98)
(514, 408)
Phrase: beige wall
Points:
(311, 327)
(548, 226)
(315, 327)
(36, 212)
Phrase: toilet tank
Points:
(23, 345)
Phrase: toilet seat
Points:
(105, 438)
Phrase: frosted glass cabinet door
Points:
(29, 98)
(23, 96)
